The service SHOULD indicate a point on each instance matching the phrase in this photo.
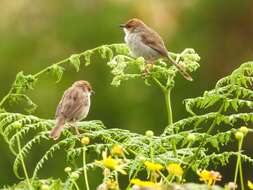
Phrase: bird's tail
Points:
(56, 131)
(181, 70)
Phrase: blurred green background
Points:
(34, 34)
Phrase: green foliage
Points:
(42, 184)
(215, 116)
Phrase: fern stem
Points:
(23, 164)
(47, 68)
(238, 163)
(214, 122)
(167, 94)
(151, 150)
(168, 106)
(241, 176)
(6, 96)
(36, 75)
(85, 169)
(75, 184)
(182, 159)
(67, 59)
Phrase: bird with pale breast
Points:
(74, 106)
(145, 42)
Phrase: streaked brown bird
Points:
(74, 106)
(145, 42)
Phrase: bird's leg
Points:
(73, 125)
(149, 66)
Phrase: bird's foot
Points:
(147, 69)
(75, 128)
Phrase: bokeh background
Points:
(35, 34)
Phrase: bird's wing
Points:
(154, 41)
(72, 101)
(59, 107)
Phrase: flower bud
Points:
(67, 169)
(142, 158)
(85, 140)
(17, 124)
(191, 137)
(74, 175)
(149, 133)
(44, 187)
(231, 185)
(244, 130)
(239, 135)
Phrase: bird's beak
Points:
(122, 25)
(92, 92)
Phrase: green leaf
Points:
(75, 61)
(234, 105)
(87, 57)
(57, 71)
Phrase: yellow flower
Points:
(143, 183)
(110, 163)
(204, 175)
(153, 166)
(250, 184)
(209, 177)
(117, 150)
(175, 169)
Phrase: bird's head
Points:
(133, 25)
(85, 85)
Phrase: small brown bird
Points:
(145, 42)
(74, 106)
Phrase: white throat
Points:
(126, 31)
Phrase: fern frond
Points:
(50, 153)
(26, 150)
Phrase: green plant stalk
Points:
(85, 169)
(23, 164)
(238, 163)
(171, 178)
(117, 180)
(167, 96)
(188, 146)
(6, 96)
(165, 178)
(241, 176)
(213, 124)
(166, 93)
(168, 105)
(135, 174)
(151, 150)
(75, 184)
